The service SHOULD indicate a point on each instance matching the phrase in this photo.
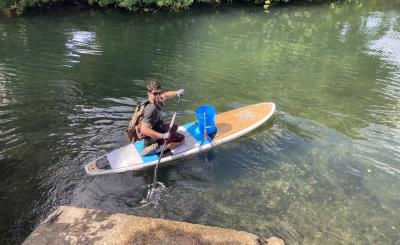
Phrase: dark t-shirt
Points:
(152, 116)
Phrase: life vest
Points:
(133, 131)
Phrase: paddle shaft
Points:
(165, 141)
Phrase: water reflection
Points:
(372, 23)
(343, 32)
(324, 170)
(385, 45)
(81, 43)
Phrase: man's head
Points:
(153, 90)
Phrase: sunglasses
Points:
(156, 93)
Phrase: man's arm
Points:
(146, 130)
(170, 94)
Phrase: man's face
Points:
(154, 95)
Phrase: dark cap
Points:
(153, 86)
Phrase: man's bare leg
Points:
(173, 145)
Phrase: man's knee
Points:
(179, 137)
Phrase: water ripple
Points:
(322, 170)
(81, 43)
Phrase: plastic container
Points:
(209, 112)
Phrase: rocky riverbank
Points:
(70, 225)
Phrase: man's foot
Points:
(151, 149)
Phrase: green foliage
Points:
(103, 3)
(19, 6)
(144, 4)
(174, 4)
(266, 4)
(3, 3)
(129, 4)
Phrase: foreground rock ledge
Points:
(69, 225)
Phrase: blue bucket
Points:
(209, 112)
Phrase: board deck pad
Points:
(122, 157)
(193, 138)
(139, 145)
(194, 130)
(230, 125)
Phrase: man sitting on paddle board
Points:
(154, 130)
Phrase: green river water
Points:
(325, 169)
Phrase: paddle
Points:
(152, 186)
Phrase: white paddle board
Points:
(230, 125)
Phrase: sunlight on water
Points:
(81, 42)
(325, 169)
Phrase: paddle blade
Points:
(154, 193)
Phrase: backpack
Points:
(133, 131)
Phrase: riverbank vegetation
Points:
(20, 6)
